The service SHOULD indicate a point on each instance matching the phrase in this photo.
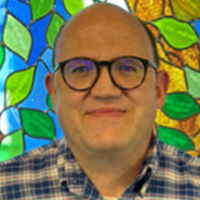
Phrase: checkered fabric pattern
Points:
(51, 172)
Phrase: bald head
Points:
(99, 23)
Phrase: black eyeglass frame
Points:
(145, 63)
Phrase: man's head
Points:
(106, 117)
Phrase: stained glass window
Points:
(28, 29)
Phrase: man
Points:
(105, 92)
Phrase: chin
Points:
(107, 142)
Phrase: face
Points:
(106, 117)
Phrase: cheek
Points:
(147, 96)
(143, 100)
(69, 105)
(66, 112)
(143, 97)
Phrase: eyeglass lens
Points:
(125, 72)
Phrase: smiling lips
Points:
(106, 112)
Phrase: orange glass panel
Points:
(176, 60)
(153, 30)
(189, 126)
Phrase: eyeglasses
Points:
(125, 72)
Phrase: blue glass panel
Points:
(59, 133)
(37, 97)
(20, 10)
(1, 100)
(38, 31)
(10, 120)
(197, 27)
(32, 143)
(11, 64)
(59, 7)
(2, 16)
(47, 58)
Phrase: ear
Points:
(161, 88)
(50, 87)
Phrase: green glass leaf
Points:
(74, 6)
(193, 80)
(54, 27)
(37, 124)
(40, 8)
(180, 106)
(18, 86)
(175, 138)
(49, 102)
(17, 37)
(11, 145)
(1, 56)
(178, 34)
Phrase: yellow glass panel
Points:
(190, 56)
(163, 120)
(192, 152)
(145, 12)
(177, 77)
(196, 141)
(161, 53)
(131, 4)
(167, 9)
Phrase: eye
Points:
(79, 69)
(128, 68)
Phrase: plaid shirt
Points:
(51, 172)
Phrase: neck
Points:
(105, 169)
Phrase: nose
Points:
(104, 87)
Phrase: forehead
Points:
(102, 30)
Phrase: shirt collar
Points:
(149, 168)
(72, 177)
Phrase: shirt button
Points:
(64, 183)
(143, 191)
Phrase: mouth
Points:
(107, 112)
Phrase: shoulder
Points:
(180, 157)
(31, 161)
(178, 165)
